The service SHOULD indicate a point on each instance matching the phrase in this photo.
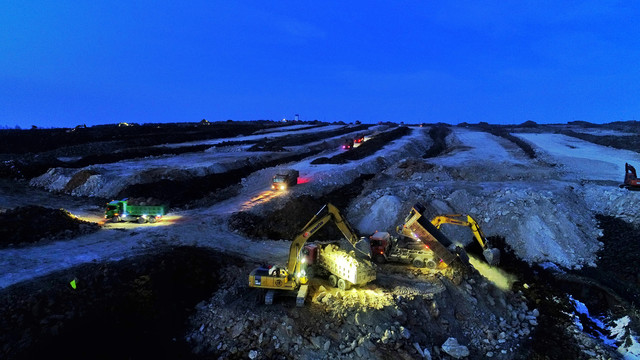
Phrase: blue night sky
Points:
(64, 63)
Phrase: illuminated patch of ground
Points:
(261, 198)
(495, 274)
(167, 220)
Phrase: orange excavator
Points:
(631, 181)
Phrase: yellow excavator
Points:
(344, 268)
(491, 255)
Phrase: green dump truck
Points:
(120, 210)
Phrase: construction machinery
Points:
(121, 210)
(386, 248)
(347, 143)
(284, 180)
(344, 267)
(631, 181)
(490, 254)
(416, 226)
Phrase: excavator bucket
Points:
(492, 256)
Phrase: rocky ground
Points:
(548, 199)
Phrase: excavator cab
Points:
(631, 181)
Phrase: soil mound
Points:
(32, 223)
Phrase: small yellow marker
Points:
(73, 284)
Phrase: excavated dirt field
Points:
(135, 308)
(178, 289)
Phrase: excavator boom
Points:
(315, 224)
(491, 255)
(470, 223)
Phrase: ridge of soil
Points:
(183, 192)
(44, 224)
(278, 144)
(26, 154)
(367, 148)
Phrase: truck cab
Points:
(284, 180)
(114, 208)
(381, 243)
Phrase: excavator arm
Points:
(313, 226)
(491, 255)
(342, 224)
(629, 169)
(470, 223)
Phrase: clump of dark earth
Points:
(131, 309)
(30, 224)
(286, 222)
(78, 179)
(366, 148)
(525, 146)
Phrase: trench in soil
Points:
(214, 187)
(135, 308)
(610, 290)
